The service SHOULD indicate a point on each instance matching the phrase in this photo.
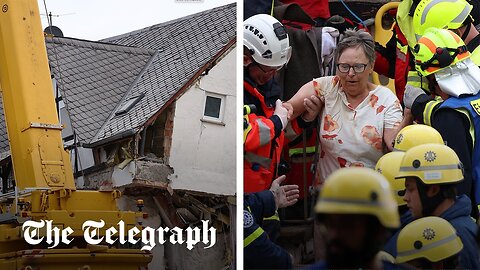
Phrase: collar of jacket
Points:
(271, 91)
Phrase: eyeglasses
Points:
(270, 69)
(357, 68)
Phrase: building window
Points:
(128, 104)
(214, 107)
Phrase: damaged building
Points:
(152, 113)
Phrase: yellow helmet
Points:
(358, 191)
(431, 13)
(432, 238)
(389, 165)
(432, 164)
(438, 49)
(413, 135)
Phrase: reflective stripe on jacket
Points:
(262, 148)
(470, 104)
(259, 251)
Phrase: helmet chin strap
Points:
(467, 30)
(429, 204)
(415, 3)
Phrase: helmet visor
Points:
(459, 79)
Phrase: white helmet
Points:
(267, 40)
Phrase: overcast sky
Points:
(98, 19)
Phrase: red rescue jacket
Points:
(262, 149)
(393, 61)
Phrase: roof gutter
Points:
(186, 86)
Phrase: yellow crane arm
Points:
(34, 132)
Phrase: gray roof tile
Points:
(93, 77)
(184, 46)
(90, 81)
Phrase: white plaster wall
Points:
(203, 153)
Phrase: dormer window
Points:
(128, 104)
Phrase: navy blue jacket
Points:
(459, 216)
(258, 250)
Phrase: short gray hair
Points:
(356, 38)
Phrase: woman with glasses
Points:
(359, 120)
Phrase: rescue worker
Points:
(431, 172)
(266, 50)
(396, 59)
(389, 165)
(357, 207)
(259, 251)
(413, 135)
(442, 57)
(429, 243)
(431, 14)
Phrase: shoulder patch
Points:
(476, 105)
(247, 219)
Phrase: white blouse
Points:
(353, 137)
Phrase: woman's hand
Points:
(297, 101)
(408, 116)
(389, 134)
(313, 106)
(336, 80)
